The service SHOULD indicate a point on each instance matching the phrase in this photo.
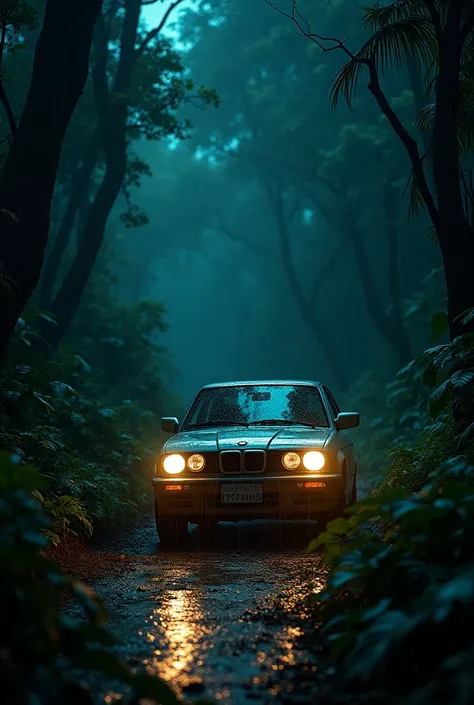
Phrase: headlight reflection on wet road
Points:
(179, 622)
(204, 621)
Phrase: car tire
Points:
(171, 530)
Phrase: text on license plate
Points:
(241, 494)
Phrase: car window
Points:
(332, 402)
(243, 404)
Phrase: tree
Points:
(60, 70)
(138, 89)
(437, 34)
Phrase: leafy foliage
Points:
(401, 574)
(46, 654)
(89, 426)
(404, 590)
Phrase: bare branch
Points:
(155, 32)
(305, 29)
(375, 88)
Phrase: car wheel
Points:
(171, 529)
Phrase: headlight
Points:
(314, 460)
(196, 462)
(174, 464)
(291, 461)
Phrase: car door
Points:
(346, 445)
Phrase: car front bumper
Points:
(296, 497)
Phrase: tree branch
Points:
(155, 32)
(376, 90)
(236, 237)
(296, 17)
(410, 144)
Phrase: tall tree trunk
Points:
(384, 322)
(78, 192)
(455, 234)
(112, 109)
(70, 293)
(319, 329)
(389, 325)
(60, 70)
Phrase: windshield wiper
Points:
(215, 423)
(280, 422)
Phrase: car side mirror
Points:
(169, 424)
(346, 420)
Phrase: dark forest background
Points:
(217, 216)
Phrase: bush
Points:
(45, 655)
(398, 607)
(57, 413)
(391, 598)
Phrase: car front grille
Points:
(254, 461)
(234, 462)
(230, 462)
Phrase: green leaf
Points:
(430, 375)
(439, 325)
(338, 526)
(153, 688)
(108, 664)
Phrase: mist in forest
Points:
(213, 254)
(274, 228)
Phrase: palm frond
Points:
(431, 234)
(376, 16)
(425, 119)
(387, 47)
(416, 201)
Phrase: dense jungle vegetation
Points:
(240, 188)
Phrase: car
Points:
(255, 450)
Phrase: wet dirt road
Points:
(203, 619)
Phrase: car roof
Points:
(265, 382)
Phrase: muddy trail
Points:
(203, 619)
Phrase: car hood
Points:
(261, 437)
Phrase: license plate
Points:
(241, 494)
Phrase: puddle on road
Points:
(191, 619)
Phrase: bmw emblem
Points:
(242, 443)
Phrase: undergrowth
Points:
(398, 608)
(91, 431)
(48, 657)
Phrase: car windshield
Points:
(257, 405)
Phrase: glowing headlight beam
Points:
(314, 460)
(174, 464)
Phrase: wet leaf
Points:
(439, 324)
(149, 687)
